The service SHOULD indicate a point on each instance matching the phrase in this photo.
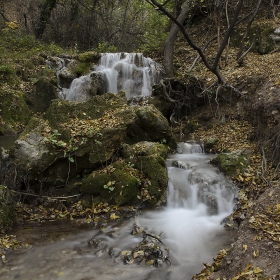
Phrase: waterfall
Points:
(199, 198)
(129, 72)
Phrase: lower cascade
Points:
(172, 242)
(129, 72)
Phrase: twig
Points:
(44, 196)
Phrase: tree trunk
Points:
(45, 15)
(169, 42)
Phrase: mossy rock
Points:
(232, 163)
(40, 98)
(7, 208)
(209, 145)
(87, 134)
(118, 183)
(190, 127)
(149, 158)
(154, 169)
(153, 125)
(85, 62)
(89, 57)
(144, 148)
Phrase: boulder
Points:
(152, 126)
(118, 183)
(43, 93)
(7, 208)
(149, 158)
(232, 163)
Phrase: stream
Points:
(199, 198)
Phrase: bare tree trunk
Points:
(45, 15)
(214, 68)
(169, 42)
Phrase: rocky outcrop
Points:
(75, 139)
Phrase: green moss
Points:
(210, 144)
(232, 163)
(118, 183)
(89, 57)
(154, 169)
(34, 123)
(149, 158)
(190, 127)
(82, 68)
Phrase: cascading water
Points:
(199, 198)
(129, 72)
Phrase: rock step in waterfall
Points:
(129, 72)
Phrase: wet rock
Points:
(65, 77)
(180, 164)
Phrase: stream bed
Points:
(189, 227)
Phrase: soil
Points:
(253, 246)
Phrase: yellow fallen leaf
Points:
(248, 266)
(257, 270)
(245, 247)
(113, 216)
(256, 253)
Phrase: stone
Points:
(43, 93)
(232, 163)
(118, 183)
(154, 125)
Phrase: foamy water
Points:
(199, 198)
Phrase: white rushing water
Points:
(199, 198)
(129, 72)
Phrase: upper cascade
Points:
(129, 72)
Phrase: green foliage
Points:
(110, 186)
(16, 43)
(155, 26)
(105, 47)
